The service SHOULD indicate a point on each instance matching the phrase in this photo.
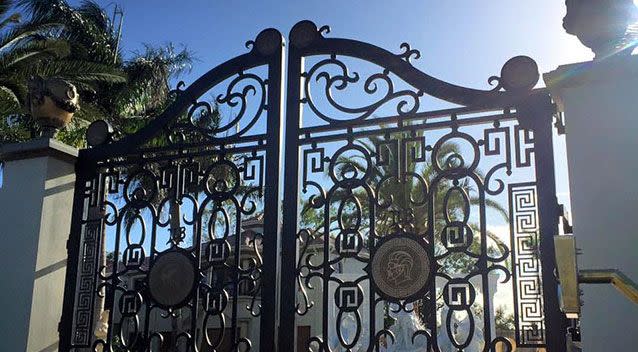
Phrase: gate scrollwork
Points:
(377, 171)
(169, 213)
(415, 212)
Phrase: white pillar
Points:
(35, 216)
(600, 102)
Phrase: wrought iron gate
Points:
(415, 213)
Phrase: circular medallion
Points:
(171, 279)
(400, 267)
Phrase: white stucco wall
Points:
(600, 102)
(35, 215)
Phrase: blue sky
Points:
(462, 41)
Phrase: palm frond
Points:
(13, 19)
(42, 10)
(5, 6)
(25, 33)
(85, 75)
(149, 74)
(87, 27)
(166, 59)
(92, 12)
(90, 112)
(9, 102)
(80, 71)
(33, 52)
(494, 205)
(18, 89)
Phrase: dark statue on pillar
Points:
(604, 26)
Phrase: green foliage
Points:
(79, 44)
(117, 345)
(21, 47)
(149, 74)
(503, 320)
(14, 128)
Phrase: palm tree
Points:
(35, 48)
(21, 46)
(126, 93)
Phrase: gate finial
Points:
(305, 32)
(268, 42)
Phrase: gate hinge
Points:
(565, 219)
(559, 123)
(574, 337)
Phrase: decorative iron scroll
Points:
(375, 166)
(181, 261)
(170, 228)
(356, 192)
(415, 228)
(530, 326)
(245, 96)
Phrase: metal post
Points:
(287, 310)
(268, 328)
(536, 113)
(118, 11)
(73, 250)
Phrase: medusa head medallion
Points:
(400, 267)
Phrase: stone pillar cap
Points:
(608, 71)
(38, 148)
(583, 72)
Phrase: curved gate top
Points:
(416, 214)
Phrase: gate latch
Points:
(570, 277)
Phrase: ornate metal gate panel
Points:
(422, 213)
(417, 215)
(174, 238)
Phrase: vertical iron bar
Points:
(236, 280)
(85, 171)
(287, 309)
(513, 256)
(197, 242)
(432, 319)
(116, 274)
(372, 302)
(483, 265)
(326, 272)
(272, 204)
(536, 113)
(147, 303)
(73, 251)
